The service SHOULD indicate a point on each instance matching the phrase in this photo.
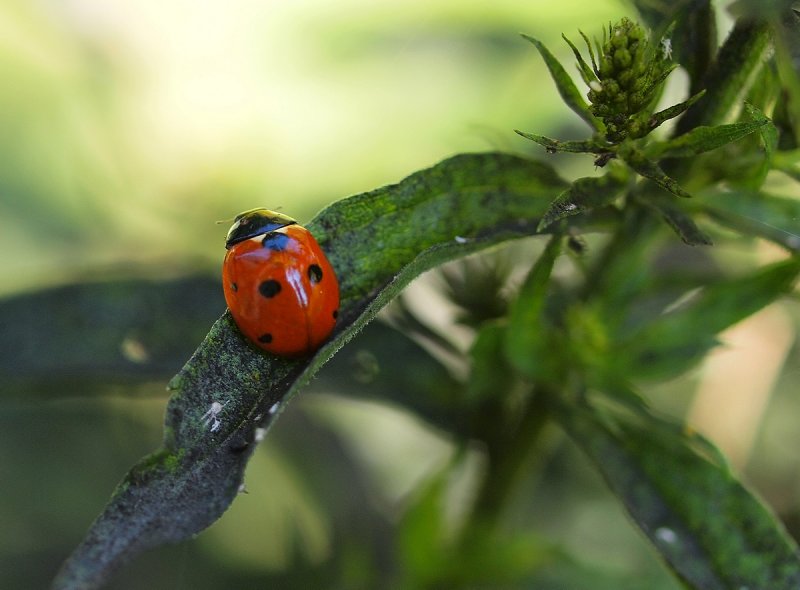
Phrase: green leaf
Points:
(587, 73)
(660, 117)
(102, 332)
(384, 364)
(675, 341)
(528, 344)
(554, 145)
(490, 377)
(727, 78)
(703, 139)
(584, 194)
(650, 169)
(678, 220)
(707, 526)
(377, 242)
(768, 133)
(694, 38)
(769, 139)
(752, 213)
(566, 87)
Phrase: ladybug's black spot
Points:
(275, 241)
(265, 338)
(314, 274)
(234, 287)
(335, 313)
(269, 288)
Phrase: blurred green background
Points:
(127, 129)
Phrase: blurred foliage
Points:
(420, 455)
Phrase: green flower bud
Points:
(628, 73)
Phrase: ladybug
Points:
(279, 286)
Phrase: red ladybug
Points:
(279, 286)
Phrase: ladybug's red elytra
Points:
(280, 288)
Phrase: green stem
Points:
(508, 450)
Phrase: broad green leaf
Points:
(585, 194)
(528, 344)
(377, 242)
(678, 339)
(713, 532)
(555, 145)
(566, 87)
(752, 213)
(703, 139)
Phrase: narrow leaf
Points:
(751, 213)
(650, 170)
(377, 242)
(586, 72)
(566, 87)
(554, 145)
(584, 194)
(489, 376)
(769, 139)
(121, 326)
(528, 344)
(384, 364)
(671, 112)
(703, 139)
(677, 340)
(712, 531)
(727, 78)
(678, 220)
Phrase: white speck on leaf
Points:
(666, 48)
(666, 535)
(212, 416)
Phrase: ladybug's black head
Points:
(254, 223)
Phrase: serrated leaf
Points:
(703, 139)
(589, 146)
(707, 526)
(584, 194)
(566, 87)
(677, 340)
(377, 242)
